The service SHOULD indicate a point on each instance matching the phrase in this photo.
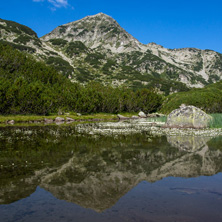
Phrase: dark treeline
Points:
(30, 87)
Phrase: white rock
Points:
(142, 114)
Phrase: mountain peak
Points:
(94, 31)
(101, 14)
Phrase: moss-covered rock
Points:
(188, 117)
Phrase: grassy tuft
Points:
(216, 121)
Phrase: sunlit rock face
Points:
(99, 47)
(95, 31)
(188, 117)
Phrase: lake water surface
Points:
(63, 173)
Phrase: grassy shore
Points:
(216, 121)
(36, 118)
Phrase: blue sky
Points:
(171, 23)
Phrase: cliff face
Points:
(98, 48)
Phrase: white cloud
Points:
(56, 3)
(59, 3)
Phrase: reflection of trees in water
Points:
(96, 172)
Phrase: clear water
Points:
(57, 173)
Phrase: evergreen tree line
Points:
(208, 99)
(31, 87)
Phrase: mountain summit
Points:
(98, 30)
(98, 48)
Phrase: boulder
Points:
(142, 114)
(59, 119)
(121, 117)
(188, 117)
(11, 122)
(68, 119)
(48, 120)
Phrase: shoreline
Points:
(68, 118)
(35, 119)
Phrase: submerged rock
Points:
(188, 117)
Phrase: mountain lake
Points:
(105, 172)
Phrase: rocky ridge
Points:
(98, 48)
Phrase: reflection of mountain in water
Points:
(102, 170)
(98, 181)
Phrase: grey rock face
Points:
(94, 31)
(188, 117)
(100, 38)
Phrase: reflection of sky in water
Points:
(167, 200)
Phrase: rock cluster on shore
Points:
(140, 115)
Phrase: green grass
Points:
(216, 121)
(23, 118)
(159, 119)
(97, 116)
(31, 118)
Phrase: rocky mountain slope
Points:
(98, 48)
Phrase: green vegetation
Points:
(58, 42)
(75, 48)
(83, 32)
(19, 47)
(30, 87)
(60, 65)
(216, 121)
(198, 66)
(24, 39)
(16, 28)
(208, 99)
(40, 118)
(62, 29)
(94, 59)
